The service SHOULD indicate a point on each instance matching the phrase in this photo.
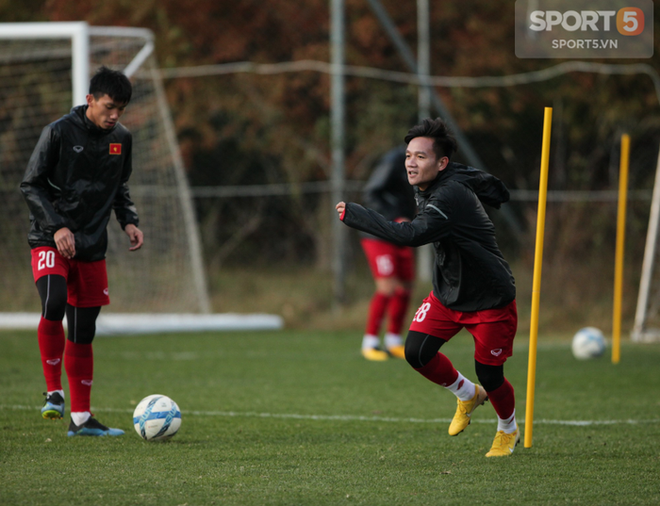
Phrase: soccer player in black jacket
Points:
(76, 176)
(473, 287)
(393, 266)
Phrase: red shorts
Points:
(387, 260)
(87, 282)
(493, 329)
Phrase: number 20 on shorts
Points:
(46, 259)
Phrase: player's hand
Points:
(341, 209)
(135, 235)
(65, 242)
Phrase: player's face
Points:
(421, 162)
(104, 112)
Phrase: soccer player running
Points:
(392, 266)
(473, 287)
(76, 176)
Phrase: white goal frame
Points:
(642, 332)
(79, 33)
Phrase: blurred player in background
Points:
(76, 176)
(473, 287)
(392, 266)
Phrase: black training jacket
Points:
(76, 175)
(470, 273)
(387, 191)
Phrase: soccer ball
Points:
(157, 418)
(588, 342)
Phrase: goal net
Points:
(44, 70)
(647, 315)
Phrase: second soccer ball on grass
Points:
(588, 342)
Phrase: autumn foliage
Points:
(248, 129)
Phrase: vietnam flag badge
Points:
(115, 149)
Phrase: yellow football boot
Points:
(374, 354)
(504, 444)
(465, 409)
(397, 351)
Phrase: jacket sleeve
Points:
(429, 226)
(37, 187)
(124, 207)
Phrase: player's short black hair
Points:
(444, 143)
(112, 83)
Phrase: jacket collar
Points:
(79, 113)
(439, 179)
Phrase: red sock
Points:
(50, 335)
(376, 312)
(397, 310)
(503, 400)
(79, 365)
(439, 370)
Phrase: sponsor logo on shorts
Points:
(497, 352)
(53, 361)
(78, 149)
(105, 291)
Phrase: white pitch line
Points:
(358, 418)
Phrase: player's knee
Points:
(81, 324)
(53, 293)
(81, 334)
(54, 308)
(421, 348)
(491, 377)
(386, 286)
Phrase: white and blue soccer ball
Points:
(157, 418)
(588, 343)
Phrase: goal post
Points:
(45, 70)
(77, 32)
(647, 315)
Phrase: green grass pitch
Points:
(300, 418)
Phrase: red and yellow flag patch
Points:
(115, 149)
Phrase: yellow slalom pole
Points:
(536, 285)
(620, 241)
